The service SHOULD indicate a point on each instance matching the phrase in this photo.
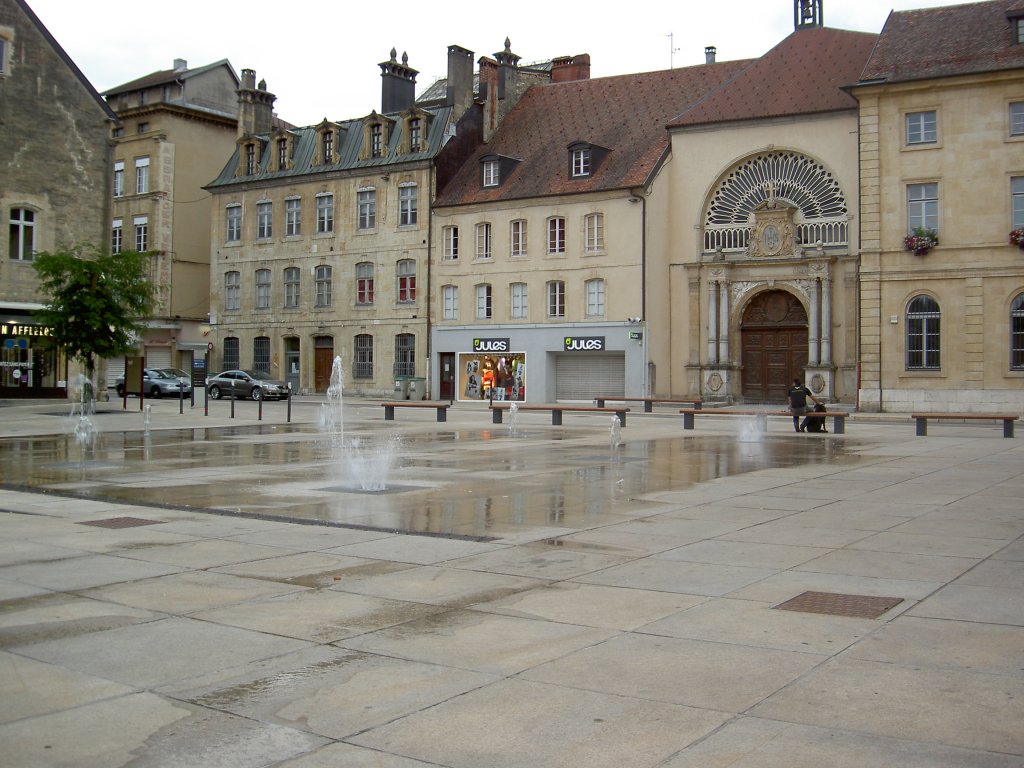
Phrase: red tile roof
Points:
(948, 41)
(803, 74)
(624, 114)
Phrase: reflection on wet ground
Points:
(471, 483)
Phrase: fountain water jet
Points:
(82, 412)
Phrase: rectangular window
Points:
(921, 128)
(232, 292)
(328, 146)
(923, 335)
(322, 280)
(233, 223)
(451, 243)
(407, 204)
(922, 207)
(250, 159)
(23, 234)
(367, 208)
(492, 173)
(141, 225)
(1017, 118)
(450, 298)
(363, 368)
(282, 154)
(119, 178)
(1017, 334)
(264, 220)
(324, 213)
(261, 353)
(231, 353)
(595, 298)
(483, 241)
(581, 162)
(556, 299)
(1017, 195)
(415, 135)
(141, 175)
(116, 235)
(291, 287)
(517, 238)
(483, 302)
(406, 280)
(518, 299)
(292, 217)
(556, 235)
(593, 225)
(405, 354)
(364, 283)
(3, 56)
(376, 140)
(262, 289)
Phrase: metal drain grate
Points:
(836, 604)
(121, 522)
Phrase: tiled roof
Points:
(803, 74)
(625, 115)
(942, 42)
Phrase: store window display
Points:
(493, 377)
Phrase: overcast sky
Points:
(320, 56)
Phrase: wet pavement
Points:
(223, 591)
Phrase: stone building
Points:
(942, 150)
(178, 128)
(54, 187)
(757, 271)
(321, 234)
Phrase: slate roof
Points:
(804, 74)
(948, 41)
(624, 114)
(167, 76)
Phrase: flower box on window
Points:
(921, 241)
(1017, 237)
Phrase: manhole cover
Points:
(836, 604)
(121, 522)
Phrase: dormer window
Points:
(584, 159)
(282, 154)
(492, 173)
(376, 136)
(250, 159)
(581, 161)
(376, 140)
(415, 135)
(327, 143)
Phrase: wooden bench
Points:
(1006, 418)
(389, 408)
(497, 411)
(648, 402)
(838, 417)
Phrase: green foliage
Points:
(96, 300)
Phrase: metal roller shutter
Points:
(115, 369)
(158, 357)
(584, 377)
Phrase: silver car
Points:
(245, 384)
(160, 382)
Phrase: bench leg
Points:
(442, 413)
(622, 418)
(687, 421)
(648, 407)
(599, 402)
(1007, 427)
(556, 418)
(922, 427)
(697, 406)
(496, 415)
(389, 413)
(838, 425)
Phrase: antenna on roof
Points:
(672, 50)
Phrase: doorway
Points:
(323, 360)
(447, 382)
(773, 333)
(292, 363)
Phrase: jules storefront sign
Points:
(584, 343)
(492, 345)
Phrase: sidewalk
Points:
(620, 610)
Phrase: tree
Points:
(96, 301)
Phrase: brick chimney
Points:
(567, 68)
(255, 105)
(398, 84)
(459, 94)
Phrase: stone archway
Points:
(773, 340)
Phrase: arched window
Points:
(923, 340)
(1017, 334)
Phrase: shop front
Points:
(30, 363)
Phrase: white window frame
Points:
(116, 236)
(595, 297)
(581, 157)
(232, 291)
(556, 235)
(408, 201)
(484, 302)
(263, 280)
(923, 206)
(1017, 201)
(364, 284)
(922, 127)
(517, 238)
(141, 175)
(264, 220)
(292, 285)
(519, 301)
(483, 240)
(366, 208)
(324, 213)
(491, 173)
(140, 233)
(1016, 113)
(556, 298)
(119, 178)
(322, 275)
(23, 229)
(292, 216)
(450, 250)
(405, 274)
(593, 229)
(233, 223)
(450, 302)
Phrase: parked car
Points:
(244, 384)
(157, 382)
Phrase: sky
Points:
(320, 57)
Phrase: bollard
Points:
(259, 410)
(181, 400)
(289, 418)
(232, 397)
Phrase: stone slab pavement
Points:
(641, 640)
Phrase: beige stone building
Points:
(54, 188)
(942, 149)
(758, 263)
(321, 234)
(178, 128)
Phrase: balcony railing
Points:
(731, 238)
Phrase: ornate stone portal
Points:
(774, 231)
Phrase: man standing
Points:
(798, 395)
